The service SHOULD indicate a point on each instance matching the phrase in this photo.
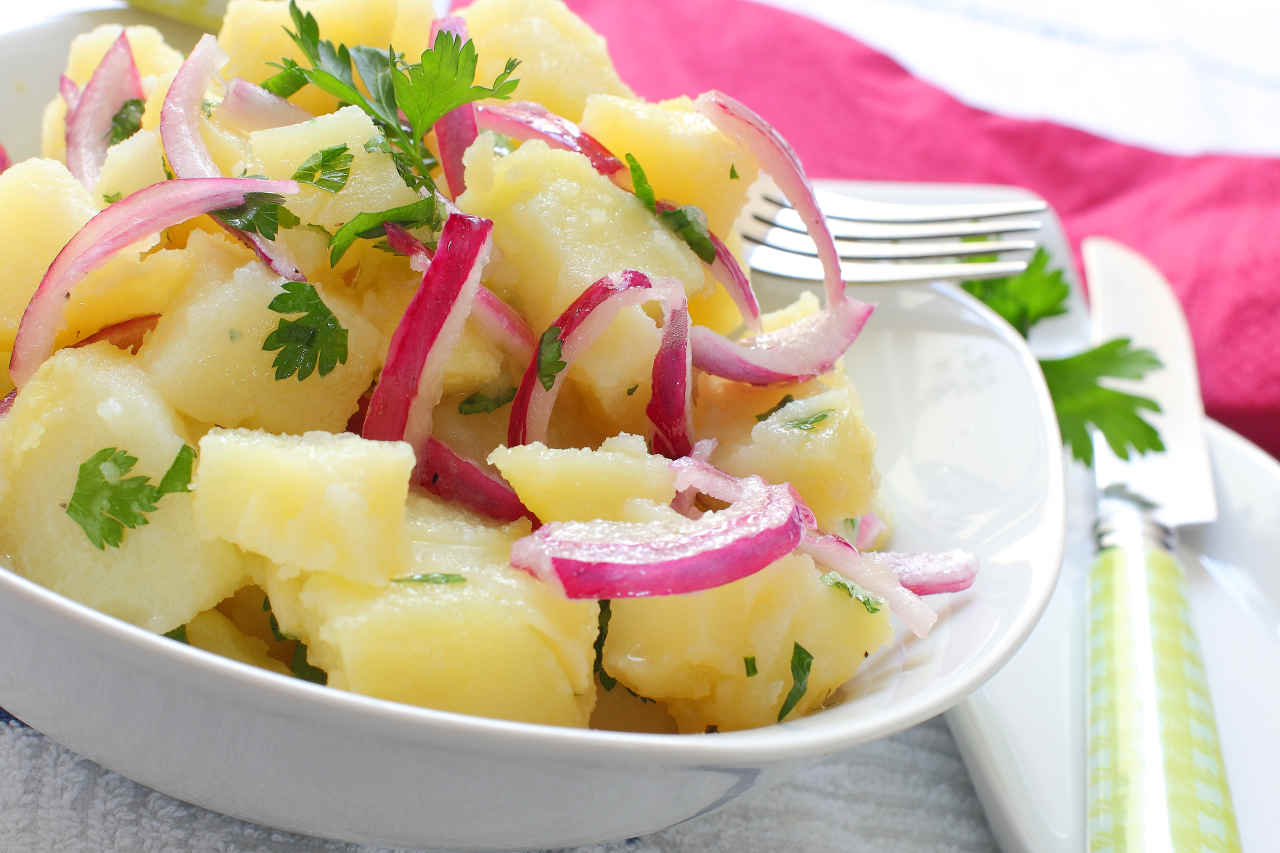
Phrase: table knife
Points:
(1156, 780)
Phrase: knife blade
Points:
(1156, 779)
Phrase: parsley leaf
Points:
(810, 422)
(369, 225)
(549, 363)
(750, 665)
(289, 79)
(105, 502)
(733, 172)
(801, 661)
(442, 80)
(479, 402)
(688, 222)
(764, 416)
(302, 668)
(1082, 401)
(431, 577)
(1026, 298)
(179, 634)
(126, 122)
(633, 389)
(640, 183)
(261, 213)
(839, 581)
(329, 168)
(607, 681)
(112, 198)
(314, 339)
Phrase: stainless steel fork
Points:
(885, 242)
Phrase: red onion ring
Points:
(5, 162)
(412, 378)
(611, 559)
(525, 120)
(69, 91)
(928, 573)
(114, 81)
(146, 212)
(189, 157)
(249, 107)
(455, 478)
(779, 160)
(456, 129)
(670, 407)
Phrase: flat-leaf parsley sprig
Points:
(1075, 384)
(105, 501)
(316, 341)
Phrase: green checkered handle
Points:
(1156, 779)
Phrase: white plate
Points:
(932, 368)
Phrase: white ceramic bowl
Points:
(970, 458)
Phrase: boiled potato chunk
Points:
(214, 632)
(318, 502)
(579, 485)
(690, 651)
(132, 164)
(232, 381)
(686, 159)
(562, 60)
(496, 643)
(79, 402)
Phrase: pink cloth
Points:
(1210, 223)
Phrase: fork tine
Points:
(849, 230)
(844, 207)
(789, 241)
(784, 264)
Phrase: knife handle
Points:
(1156, 780)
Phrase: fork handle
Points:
(1156, 780)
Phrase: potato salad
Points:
(417, 358)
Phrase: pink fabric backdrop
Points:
(1208, 222)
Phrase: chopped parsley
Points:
(853, 524)
(688, 222)
(549, 363)
(314, 341)
(857, 593)
(329, 168)
(1075, 383)
(261, 213)
(179, 634)
(126, 122)
(105, 501)
(431, 577)
(480, 403)
(632, 389)
(750, 665)
(764, 416)
(298, 663)
(810, 422)
(733, 172)
(371, 225)
(112, 198)
(607, 681)
(801, 662)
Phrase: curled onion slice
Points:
(686, 494)
(779, 160)
(613, 559)
(69, 91)
(870, 526)
(455, 478)
(928, 573)
(146, 212)
(526, 120)
(670, 407)
(250, 107)
(114, 81)
(579, 326)
(412, 378)
(127, 334)
(497, 320)
(804, 349)
(186, 152)
(876, 576)
(456, 129)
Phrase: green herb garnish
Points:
(126, 122)
(112, 198)
(261, 213)
(479, 402)
(298, 663)
(688, 222)
(179, 634)
(105, 501)
(1026, 298)
(810, 422)
(801, 661)
(329, 168)
(549, 363)
(607, 681)
(733, 172)
(314, 341)
(750, 665)
(431, 577)
(764, 416)
(370, 225)
(839, 581)
(632, 389)
(853, 524)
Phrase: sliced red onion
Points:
(613, 559)
(670, 407)
(683, 502)
(127, 334)
(146, 212)
(580, 324)
(189, 157)
(6, 402)
(456, 129)
(803, 349)
(780, 162)
(5, 162)
(455, 478)
(496, 319)
(114, 81)
(69, 91)
(928, 573)
(412, 378)
(249, 107)
(875, 576)
(870, 527)
(526, 120)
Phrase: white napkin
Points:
(902, 794)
